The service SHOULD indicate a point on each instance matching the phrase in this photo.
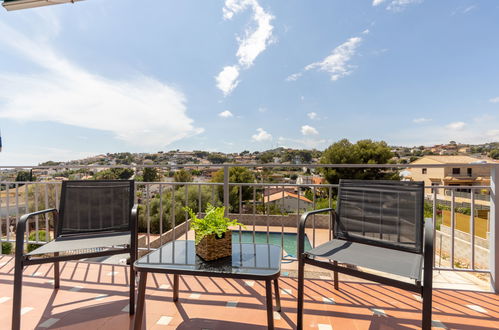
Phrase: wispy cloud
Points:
(253, 43)
(469, 8)
(312, 115)
(480, 129)
(421, 120)
(458, 125)
(294, 76)
(261, 136)
(494, 100)
(399, 5)
(395, 5)
(225, 114)
(141, 110)
(464, 10)
(308, 130)
(336, 64)
(300, 143)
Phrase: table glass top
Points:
(247, 258)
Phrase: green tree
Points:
(362, 152)
(266, 157)
(24, 176)
(494, 154)
(182, 176)
(114, 174)
(150, 174)
(237, 174)
(217, 158)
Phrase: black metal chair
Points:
(96, 218)
(377, 225)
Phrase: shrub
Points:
(42, 236)
(6, 247)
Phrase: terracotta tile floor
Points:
(94, 296)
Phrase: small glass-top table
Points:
(249, 261)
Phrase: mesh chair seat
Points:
(386, 260)
(67, 244)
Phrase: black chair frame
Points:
(424, 289)
(22, 260)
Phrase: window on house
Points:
(423, 171)
(456, 170)
(469, 171)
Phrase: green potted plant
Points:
(213, 238)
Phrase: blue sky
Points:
(119, 75)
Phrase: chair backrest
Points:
(95, 206)
(383, 213)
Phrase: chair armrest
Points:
(21, 227)
(301, 228)
(134, 230)
(428, 244)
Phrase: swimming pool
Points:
(277, 238)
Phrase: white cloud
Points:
(494, 100)
(378, 2)
(294, 76)
(261, 136)
(337, 63)
(141, 110)
(308, 130)
(399, 5)
(225, 114)
(227, 79)
(421, 120)
(253, 43)
(458, 125)
(262, 109)
(312, 115)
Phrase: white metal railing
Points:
(18, 198)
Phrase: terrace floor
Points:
(95, 296)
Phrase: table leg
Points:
(175, 287)
(277, 295)
(140, 301)
(270, 314)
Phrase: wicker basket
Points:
(211, 247)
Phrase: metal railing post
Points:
(494, 226)
(226, 189)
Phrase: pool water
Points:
(290, 239)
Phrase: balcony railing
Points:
(466, 242)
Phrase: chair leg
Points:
(427, 300)
(335, 275)
(270, 313)
(131, 305)
(133, 277)
(18, 285)
(175, 287)
(57, 281)
(301, 280)
(140, 301)
(277, 295)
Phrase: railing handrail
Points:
(315, 165)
